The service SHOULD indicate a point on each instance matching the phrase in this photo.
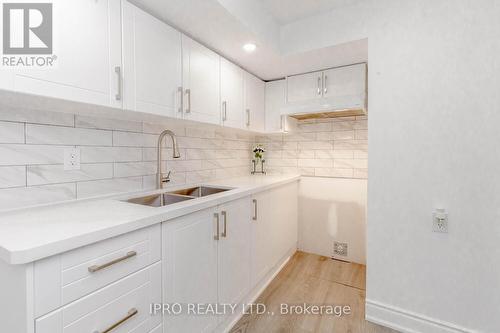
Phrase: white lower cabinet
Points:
(234, 254)
(219, 255)
(123, 307)
(274, 228)
(190, 271)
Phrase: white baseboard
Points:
(252, 296)
(408, 322)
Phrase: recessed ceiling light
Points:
(249, 47)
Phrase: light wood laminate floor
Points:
(313, 279)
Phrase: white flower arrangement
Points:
(259, 151)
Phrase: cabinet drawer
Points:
(124, 305)
(62, 279)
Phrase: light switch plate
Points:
(72, 158)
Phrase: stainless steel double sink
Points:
(169, 198)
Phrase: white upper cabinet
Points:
(275, 101)
(152, 64)
(345, 87)
(255, 100)
(87, 43)
(231, 82)
(305, 87)
(337, 89)
(201, 80)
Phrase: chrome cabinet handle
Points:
(132, 312)
(319, 85)
(325, 89)
(118, 72)
(181, 100)
(188, 94)
(248, 117)
(96, 268)
(216, 217)
(224, 111)
(224, 231)
(254, 209)
(281, 123)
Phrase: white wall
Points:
(434, 78)
(333, 209)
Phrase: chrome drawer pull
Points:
(254, 209)
(95, 268)
(132, 312)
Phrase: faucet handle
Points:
(166, 179)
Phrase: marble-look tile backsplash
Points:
(323, 148)
(116, 155)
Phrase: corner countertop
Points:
(39, 232)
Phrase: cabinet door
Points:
(87, 43)
(255, 113)
(345, 87)
(231, 94)
(152, 61)
(304, 88)
(262, 238)
(234, 251)
(190, 269)
(201, 79)
(275, 100)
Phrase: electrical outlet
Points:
(340, 249)
(72, 158)
(440, 221)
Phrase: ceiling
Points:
(225, 25)
(287, 11)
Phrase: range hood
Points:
(329, 114)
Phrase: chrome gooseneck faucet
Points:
(161, 179)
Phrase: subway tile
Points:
(17, 154)
(12, 176)
(324, 136)
(53, 174)
(343, 135)
(183, 166)
(8, 113)
(333, 154)
(315, 127)
(175, 126)
(350, 163)
(351, 145)
(306, 171)
(11, 132)
(109, 154)
(200, 176)
(361, 124)
(232, 172)
(331, 172)
(315, 163)
(108, 186)
(362, 134)
(299, 137)
(57, 135)
(343, 126)
(108, 124)
(281, 162)
(134, 169)
(360, 154)
(315, 145)
(128, 139)
(205, 133)
(150, 154)
(361, 173)
(17, 197)
(245, 154)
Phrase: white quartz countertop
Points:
(38, 232)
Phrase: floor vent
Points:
(340, 249)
